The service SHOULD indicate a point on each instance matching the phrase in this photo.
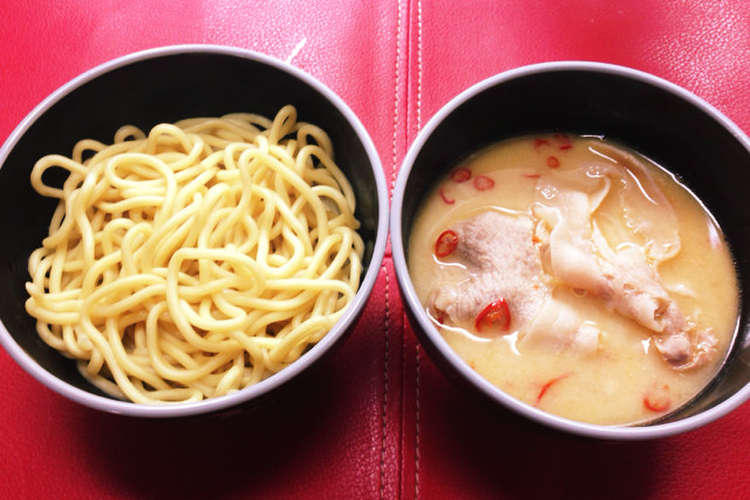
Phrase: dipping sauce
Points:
(577, 276)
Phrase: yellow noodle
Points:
(197, 259)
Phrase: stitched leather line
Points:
(418, 366)
(386, 347)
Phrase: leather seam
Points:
(387, 326)
(386, 360)
(417, 376)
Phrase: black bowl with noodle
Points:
(143, 89)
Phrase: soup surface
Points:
(577, 276)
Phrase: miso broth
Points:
(576, 276)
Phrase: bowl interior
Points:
(165, 88)
(669, 128)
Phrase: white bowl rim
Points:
(413, 302)
(313, 354)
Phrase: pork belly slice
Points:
(575, 253)
(559, 328)
(501, 262)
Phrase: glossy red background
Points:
(376, 419)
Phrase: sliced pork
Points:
(573, 251)
(501, 262)
(523, 258)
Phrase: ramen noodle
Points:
(197, 259)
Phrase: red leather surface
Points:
(376, 419)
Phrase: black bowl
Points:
(666, 123)
(143, 89)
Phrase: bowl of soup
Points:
(569, 239)
(190, 229)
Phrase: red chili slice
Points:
(495, 312)
(540, 142)
(566, 146)
(483, 183)
(549, 384)
(562, 138)
(440, 317)
(461, 174)
(446, 200)
(446, 243)
(553, 162)
(657, 400)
